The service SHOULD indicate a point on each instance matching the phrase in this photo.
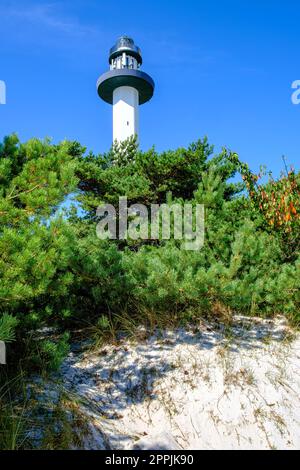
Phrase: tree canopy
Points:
(54, 271)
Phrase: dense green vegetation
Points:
(55, 272)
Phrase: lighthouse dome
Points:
(125, 44)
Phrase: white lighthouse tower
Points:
(125, 87)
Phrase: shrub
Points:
(55, 272)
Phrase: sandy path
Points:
(207, 388)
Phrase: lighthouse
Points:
(126, 87)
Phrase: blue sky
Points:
(222, 69)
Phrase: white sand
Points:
(206, 388)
